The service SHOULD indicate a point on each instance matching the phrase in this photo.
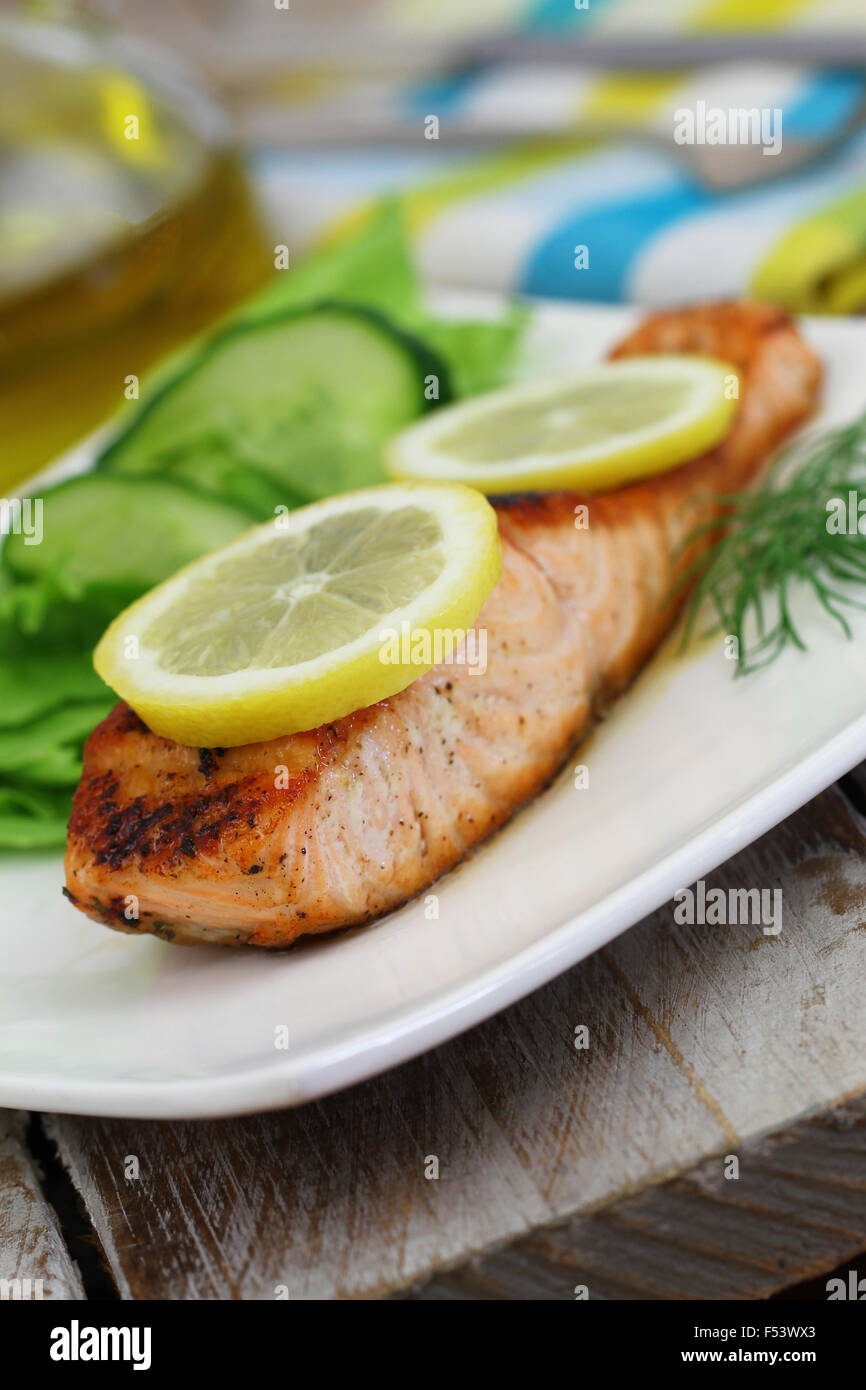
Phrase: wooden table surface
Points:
(607, 1168)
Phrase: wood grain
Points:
(702, 1039)
(31, 1247)
(796, 1210)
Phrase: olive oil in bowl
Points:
(126, 225)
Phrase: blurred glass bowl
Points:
(126, 225)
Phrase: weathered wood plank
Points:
(332, 1200)
(33, 1255)
(701, 1038)
(797, 1209)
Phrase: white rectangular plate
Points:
(689, 767)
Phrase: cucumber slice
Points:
(305, 398)
(212, 471)
(123, 534)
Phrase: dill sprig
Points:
(778, 537)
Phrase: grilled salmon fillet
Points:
(261, 844)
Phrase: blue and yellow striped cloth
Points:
(515, 219)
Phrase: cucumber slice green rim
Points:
(102, 530)
(305, 397)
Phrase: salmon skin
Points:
(262, 844)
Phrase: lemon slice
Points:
(317, 613)
(591, 429)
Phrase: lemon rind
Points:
(247, 707)
(699, 425)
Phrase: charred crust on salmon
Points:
(208, 760)
(536, 506)
(129, 722)
(166, 832)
